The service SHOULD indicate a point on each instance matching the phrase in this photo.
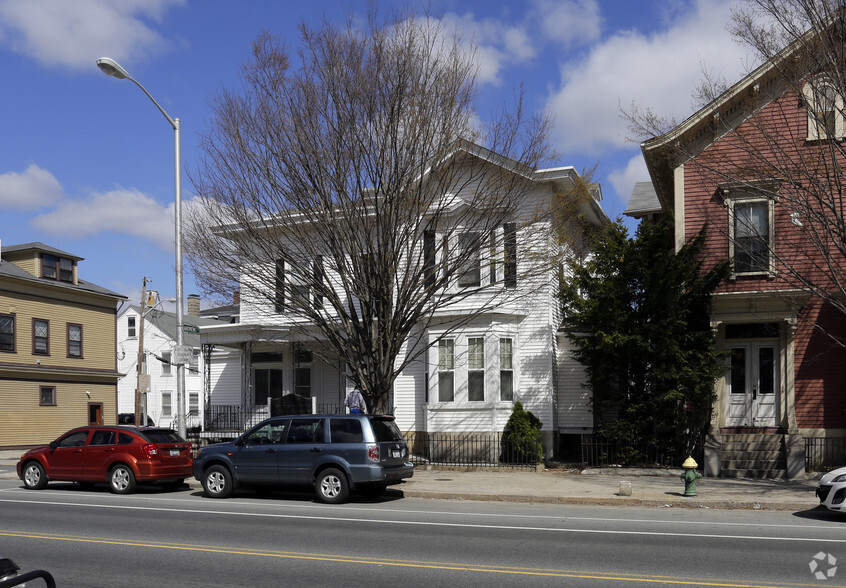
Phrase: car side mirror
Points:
(53, 445)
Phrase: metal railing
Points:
(824, 454)
(478, 450)
(600, 453)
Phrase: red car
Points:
(122, 456)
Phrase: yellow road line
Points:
(403, 563)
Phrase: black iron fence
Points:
(597, 452)
(478, 450)
(824, 454)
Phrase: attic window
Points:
(825, 110)
(56, 268)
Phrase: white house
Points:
(473, 372)
(159, 401)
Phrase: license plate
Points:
(174, 452)
(396, 453)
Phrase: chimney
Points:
(193, 305)
(236, 297)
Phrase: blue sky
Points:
(86, 161)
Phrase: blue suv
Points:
(334, 454)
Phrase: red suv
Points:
(121, 456)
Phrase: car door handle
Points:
(270, 450)
(316, 450)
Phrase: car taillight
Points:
(373, 452)
(150, 449)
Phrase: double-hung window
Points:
(7, 332)
(476, 369)
(167, 404)
(40, 337)
(74, 340)
(825, 110)
(446, 370)
(130, 327)
(166, 362)
(506, 369)
(751, 239)
(469, 252)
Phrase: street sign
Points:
(190, 329)
(182, 355)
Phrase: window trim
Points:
(54, 269)
(473, 368)
(131, 327)
(446, 368)
(41, 390)
(169, 404)
(810, 91)
(35, 337)
(68, 341)
(743, 197)
(14, 347)
(509, 369)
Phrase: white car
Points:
(832, 490)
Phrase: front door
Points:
(753, 385)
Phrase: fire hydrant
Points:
(690, 476)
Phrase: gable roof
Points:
(643, 201)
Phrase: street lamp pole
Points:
(112, 68)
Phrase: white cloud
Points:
(658, 71)
(568, 22)
(123, 211)
(623, 180)
(75, 33)
(32, 189)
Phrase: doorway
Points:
(752, 384)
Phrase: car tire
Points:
(34, 476)
(217, 482)
(121, 479)
(331, 486)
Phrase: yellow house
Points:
(58, 361)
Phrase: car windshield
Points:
(385, 430)
(161, 436)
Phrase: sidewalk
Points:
(649, 487)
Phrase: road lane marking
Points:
(561, 530)
(444, 566)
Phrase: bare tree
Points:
(356, 195)
(782, 131)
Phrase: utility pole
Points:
(139, 367)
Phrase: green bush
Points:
(521, 441)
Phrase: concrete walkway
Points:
(648, 487)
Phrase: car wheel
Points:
(217, 482)
(173, 485)
(331, 486)
(121, 479)
(34, 477)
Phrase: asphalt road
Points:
(156, 538)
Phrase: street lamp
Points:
(112, 68)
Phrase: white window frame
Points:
(473, 265)
(131, 327)
(167, 403)
(506, 366)
(446, 367)
(167, 356)
(812, 91)
(475, 366)
(735, 198)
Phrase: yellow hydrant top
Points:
(689, 464)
